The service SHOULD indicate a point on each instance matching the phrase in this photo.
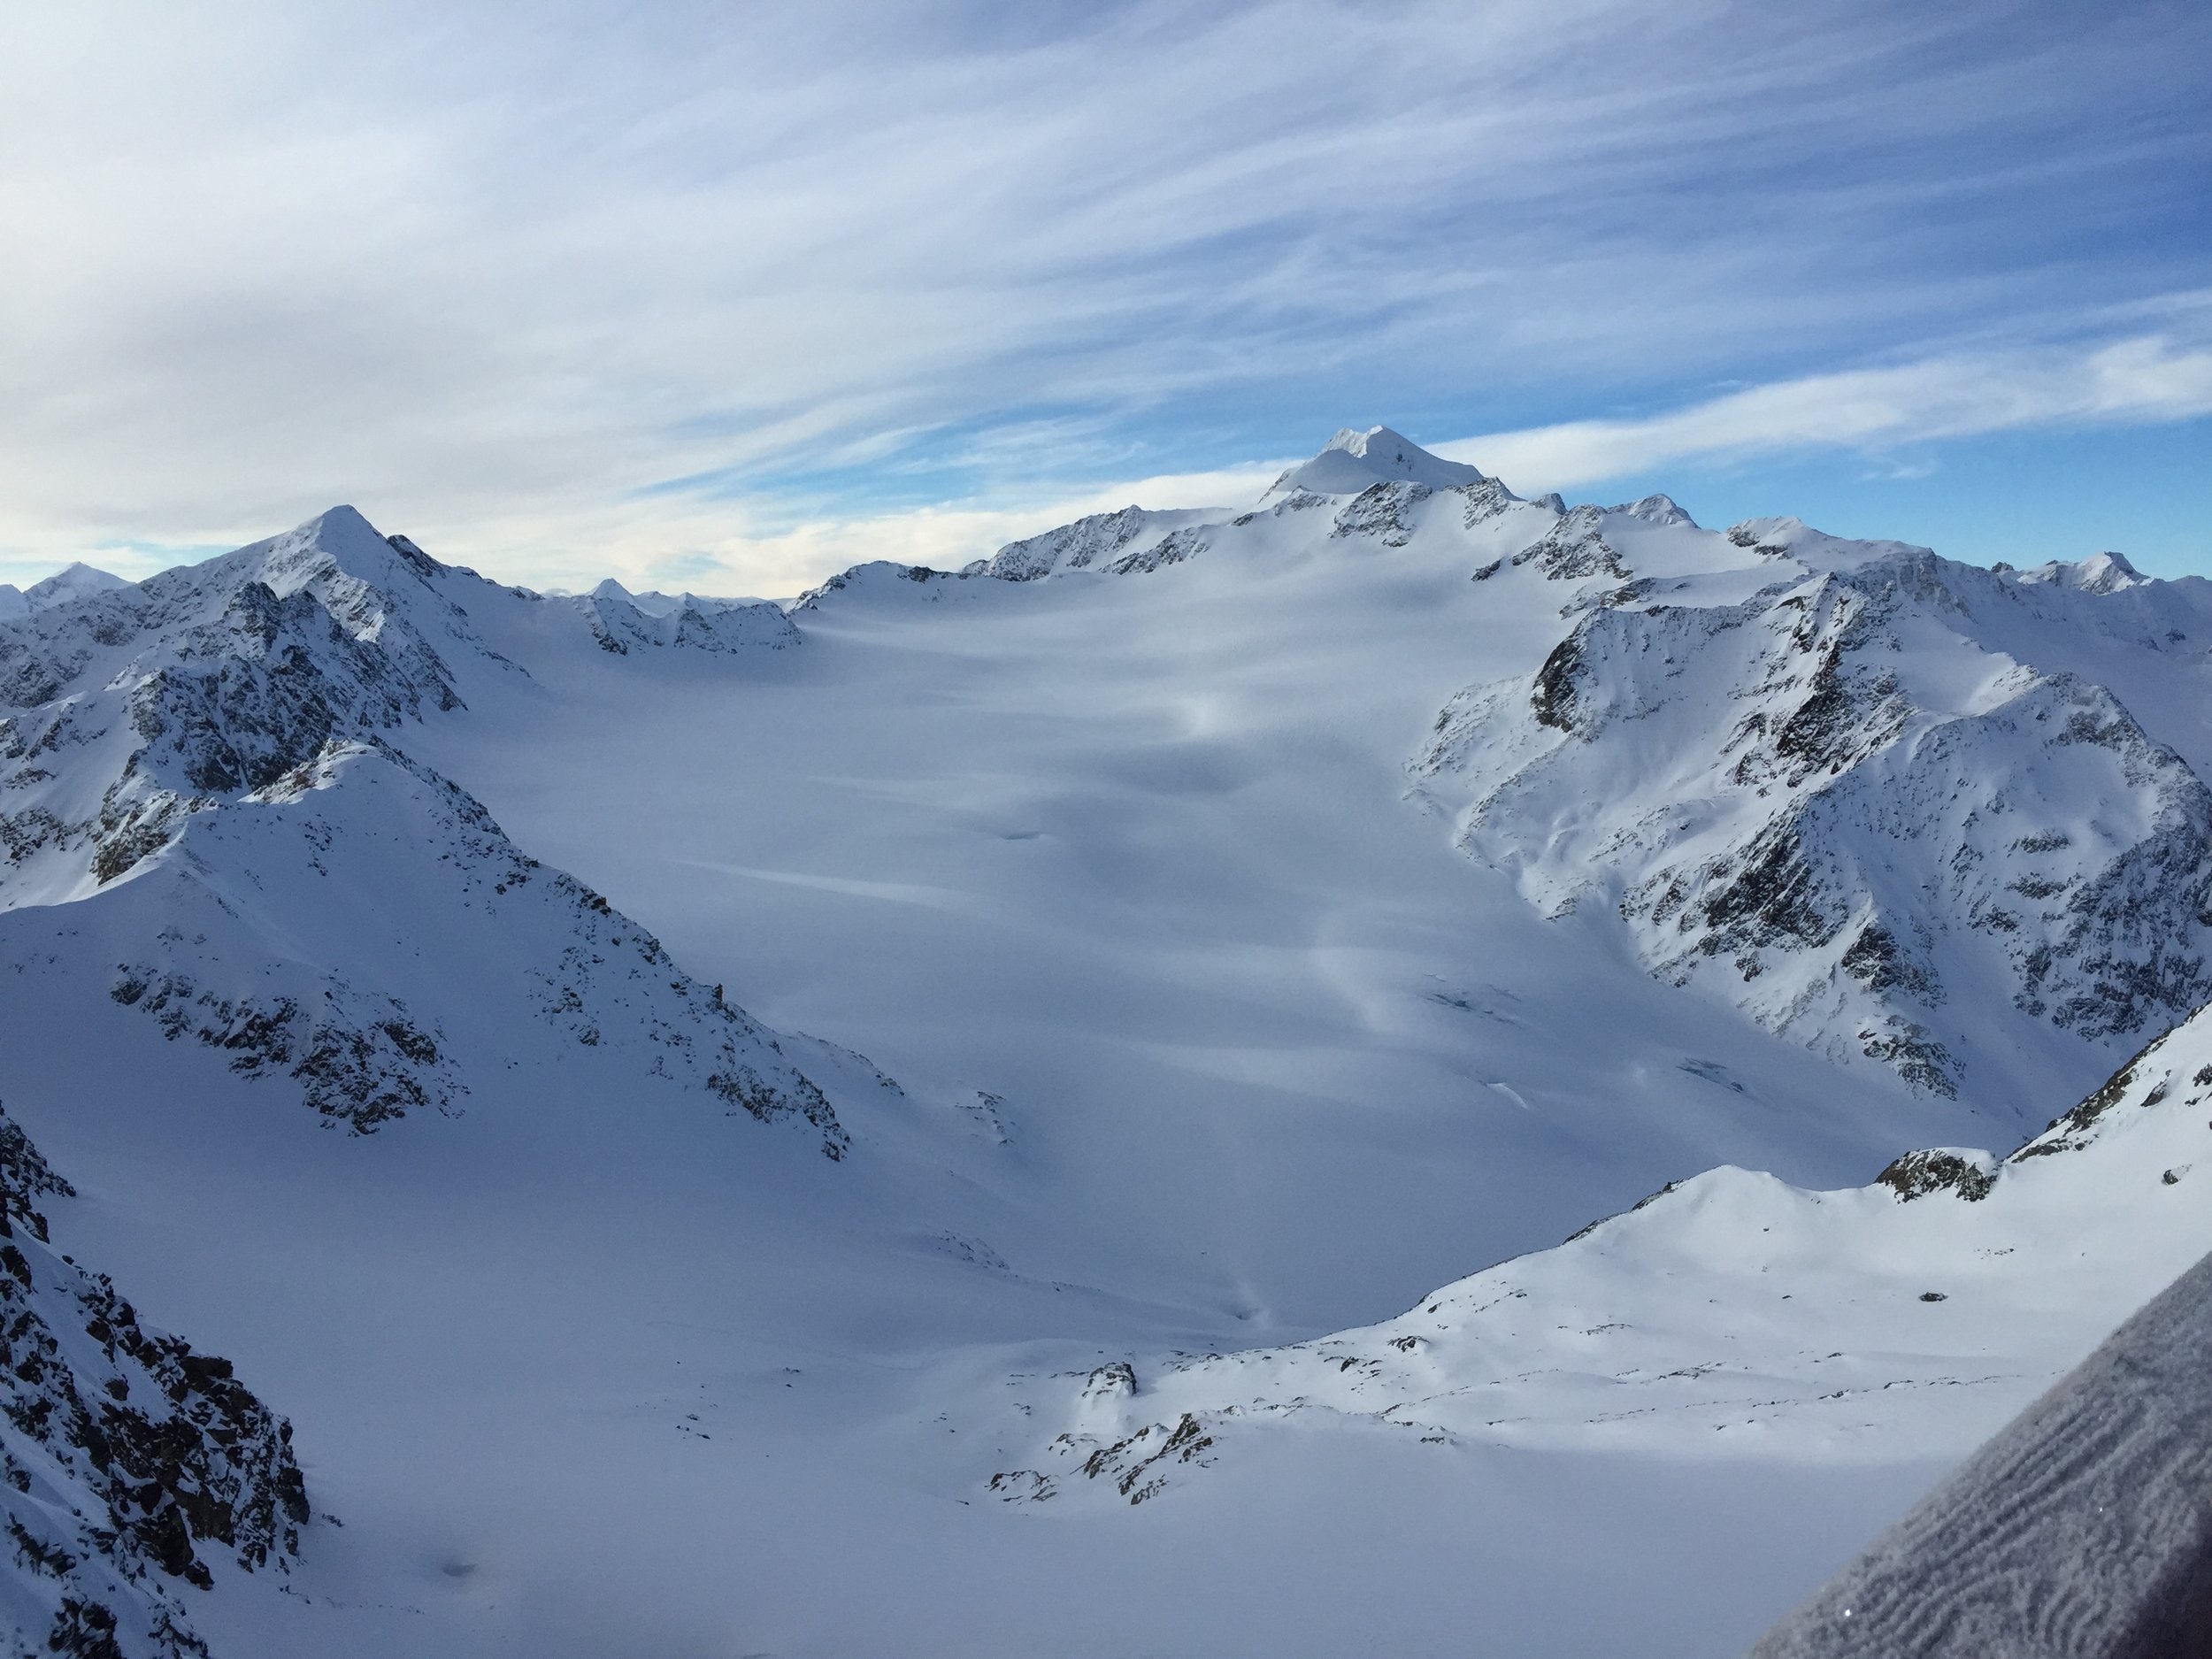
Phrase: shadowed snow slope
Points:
(1234, 996)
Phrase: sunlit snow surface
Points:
(1213, 1032)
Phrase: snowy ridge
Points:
(129, 1463)
(139, 706)
(271, 935)
(621, 621)
(223, 734)
(1729, 1313)
(77, 581)
(1106, 541)
(1833, 805)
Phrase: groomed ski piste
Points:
(956, 1115)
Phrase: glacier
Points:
(687, 1106)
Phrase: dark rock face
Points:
(1917, 1174)
(1573, 550)
(1484, 500)
(127, 1459)
(2143, 1077)
(620, 623)
(1138, 1466)
(223, 683)
(1171, 549)
(1384, 511)
(1554, 698)
(358, 1058)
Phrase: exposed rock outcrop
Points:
(128, 1460)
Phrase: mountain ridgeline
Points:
(207, 770)
(1888, 805)
(1893, 806)
(1353, 886)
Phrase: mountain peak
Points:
(1657, 509)
(340, 537)
(1351, 461)
(2105, 572)
(77, 581)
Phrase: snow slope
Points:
(1731, 1314)
(1138, 856)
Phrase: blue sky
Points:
(729, 296)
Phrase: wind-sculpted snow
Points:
(1829, 804)
(1729, 1313)
(129, 1463)
(2079, 1531)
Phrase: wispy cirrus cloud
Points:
(2142, 379)
(585, 286)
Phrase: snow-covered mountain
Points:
(620, 621)
(1354, 462)
(208, 796)
(1836, 802)
(1267, 914)
(1801, 769)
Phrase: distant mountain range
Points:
(1266, 911)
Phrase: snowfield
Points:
(884, 1124)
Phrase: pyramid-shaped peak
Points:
(357, 547)
(340, 526)
(338, 540)
(1657, 509)
(77, 581)
(1352, 461)
(2099, 573)
(2109, 573)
